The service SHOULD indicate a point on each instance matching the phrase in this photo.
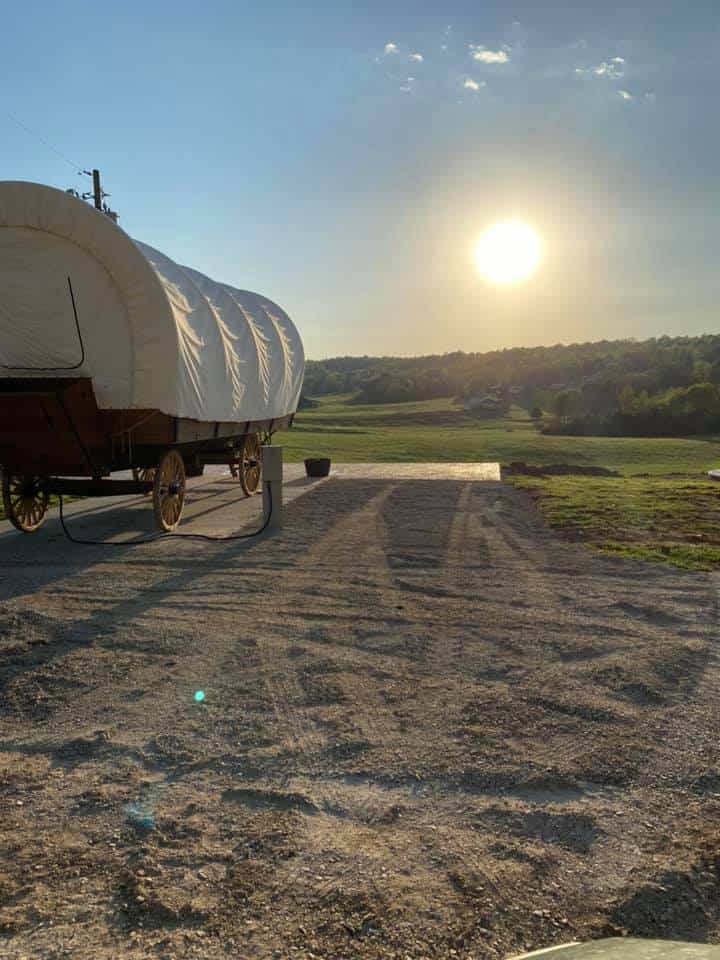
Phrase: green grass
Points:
(672, 515)
(664, 519)
(436, 430)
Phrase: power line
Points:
(33, 133)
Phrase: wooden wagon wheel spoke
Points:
(169, 490)
(144, 473)
(250, 465)
(25, 502)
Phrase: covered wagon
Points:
(113, 357)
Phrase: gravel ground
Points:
(430, 729)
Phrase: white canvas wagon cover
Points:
(155, 335)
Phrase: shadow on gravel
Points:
(414, 539)
(30, 642)
(29, 562)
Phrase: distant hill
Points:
(656, 386)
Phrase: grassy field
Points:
(436, 431)
(662, 508)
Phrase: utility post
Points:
(97, 190)
(97, 195)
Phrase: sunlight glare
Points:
(508, 252)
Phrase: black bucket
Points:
(317, 467)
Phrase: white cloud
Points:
(625, 95)
(618, 60)
(390, 48)
(488, 56)
(610, 69)
(470, 84)
(417, 57)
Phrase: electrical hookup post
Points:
(272, 474)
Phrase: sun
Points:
(508, 252)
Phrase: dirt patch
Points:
(519, 468)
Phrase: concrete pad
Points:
(215, 505)
(416, 471)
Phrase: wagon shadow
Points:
(29, 562)
(44, 559)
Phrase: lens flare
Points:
(199, 696)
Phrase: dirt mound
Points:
(520, 468)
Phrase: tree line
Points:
(660, 386)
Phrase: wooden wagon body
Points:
(112, 357)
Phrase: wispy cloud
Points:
(458, 72)
(612, 69)
(482, 55)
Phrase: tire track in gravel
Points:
(354, 552)
(353, 544)
(371, 798)
(460, 576)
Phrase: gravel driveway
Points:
(429, 729)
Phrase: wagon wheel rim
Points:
(169, 490)
(25, 502)
(250, 464)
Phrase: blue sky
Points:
(283, 147)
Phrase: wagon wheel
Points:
(144, 473)
(169, 490)
(25, 502)
(249, 464)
